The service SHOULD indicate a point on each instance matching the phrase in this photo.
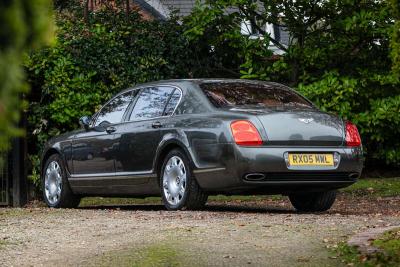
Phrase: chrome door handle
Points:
(156, 125)
(110, 129)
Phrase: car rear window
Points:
(251, 94)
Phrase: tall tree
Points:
(346, 33)
(395, 42)
(25, 24)
(86, 12)
(338, 56)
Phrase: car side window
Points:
(151, 103)
(114, 110)
(172, 103)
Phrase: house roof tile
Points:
(184, 7)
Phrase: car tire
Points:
(55, 186)
(176, 173)
(313, 202)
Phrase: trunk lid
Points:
(298, 126)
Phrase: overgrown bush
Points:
(375, 111)
(92, 61)
(339, 57)
(25, 24)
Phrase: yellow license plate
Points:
(311, 159)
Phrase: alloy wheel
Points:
(174, 180)
(52, 182)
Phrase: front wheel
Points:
(56, 190)
(179, 188)
(313, 202)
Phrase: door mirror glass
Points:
(85, 122)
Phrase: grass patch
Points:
(378, 187)
(99, 201)
(156, 255)
(13, 212)
(109, 201)
(3, 243)
(348, 254)
(384, 187)
(223, 198)
(389, 243)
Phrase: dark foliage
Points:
(339, 56)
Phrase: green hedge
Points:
(91, 62)
(339, 57)
(25, 24)
(376, 111)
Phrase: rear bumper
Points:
(236, 165)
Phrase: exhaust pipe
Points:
(254, 176)
(354, 176)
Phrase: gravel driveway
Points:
(230, 233)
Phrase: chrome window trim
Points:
(95, 116)
(166, 116)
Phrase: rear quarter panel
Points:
(208, 141)
(201, 135)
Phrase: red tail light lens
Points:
(245, 134)
(352, 136)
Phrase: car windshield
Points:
(233, 94)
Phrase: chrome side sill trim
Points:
(209, 170)
(111, 176)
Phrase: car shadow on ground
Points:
(207, 208)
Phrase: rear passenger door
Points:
(140, 134)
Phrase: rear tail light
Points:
(245, 134)
(352, 136)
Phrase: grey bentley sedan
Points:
(184, 140)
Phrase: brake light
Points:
(245, 134)
(352, 136)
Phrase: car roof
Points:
(198, 81)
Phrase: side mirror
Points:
(85, 122)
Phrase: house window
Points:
(278, 33)
(248, 28)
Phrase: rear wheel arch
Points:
(192, 196)
(165, 149)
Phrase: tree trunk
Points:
(295, 73)
(127, 8)
(297, 59)
(86, 12)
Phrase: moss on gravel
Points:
(348, 254)
(13, 212)
(100, 201)
(96, 201)
(384, 187)
(388, 243)
(155, 255)
(3, 243)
